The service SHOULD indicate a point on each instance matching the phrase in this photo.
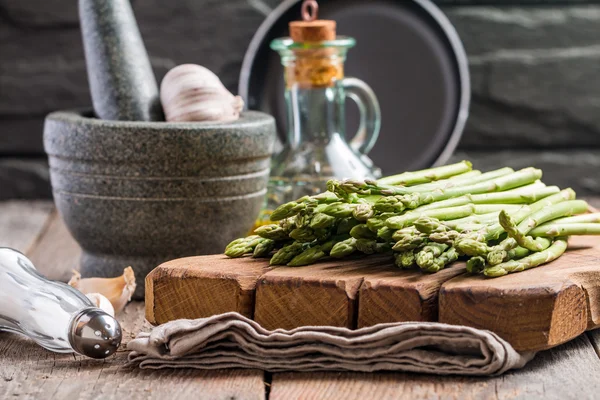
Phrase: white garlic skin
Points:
(117, 291)
(190, 92)
(102, 303)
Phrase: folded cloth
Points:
(233, 341)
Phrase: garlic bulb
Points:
(102, 303)
(191, 92)
(117, 290)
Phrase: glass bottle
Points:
(317, 149)
(53, 314)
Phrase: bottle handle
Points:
(370, 114)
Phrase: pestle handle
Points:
(122, 83)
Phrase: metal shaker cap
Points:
(94, 333)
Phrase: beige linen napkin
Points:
(233, 341)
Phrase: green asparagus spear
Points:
(306, 234)
(322, 221)
(239, 241)
(362, 232)
(385, 234)
(405, 259)
(498, 256)
(521, 195)
(288, 224)
(273, 232)
(475, 264)
(583, 218)
(481, 219)
(515, 237)
(494, 231)
(287, 210)
(465, 179)
(429, 225)
(264, 248)
(343, 248)
(506, 182)
(307, 257)
(363, 212)
(371, 246)
(346, 224)
(245, 246)
(425, 258)
(392, 204)
(328, 245)
(410, 242)
(448, 237)
(287, 253)
(427, 175)
(552, 230)
(407, 219)
(519, 233)
(535, 259)
(294, 207)
(402, 233)
(471, 247)
(340, 209)
(439, 263)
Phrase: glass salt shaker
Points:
(53, 314)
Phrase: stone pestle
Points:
(122, 83)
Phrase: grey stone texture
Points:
(141, 193)
(574, 168)
(534, 72)
(122, 83)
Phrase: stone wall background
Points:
(534, 65)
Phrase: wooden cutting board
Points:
(533, 310)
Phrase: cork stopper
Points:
(312, 31)
(313, 67)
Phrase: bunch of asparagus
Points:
(500, 222)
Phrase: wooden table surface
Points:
(28, 371)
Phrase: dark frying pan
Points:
(407, 51)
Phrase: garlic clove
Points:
(117, 290)
(102, 303)
(191, 92)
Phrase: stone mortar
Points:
(141, 193)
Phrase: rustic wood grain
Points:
(22, 222)
(56, 254)
(393, 295)
(30, 372)
(570, 371)
(196, 287)
(535, 309)
(321, 294)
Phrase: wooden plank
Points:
(30, 372)
(196, 287)
(534, 309)
(394, 295)
(21, 222)
(56, 253)
(321, 294)
(567, 372)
